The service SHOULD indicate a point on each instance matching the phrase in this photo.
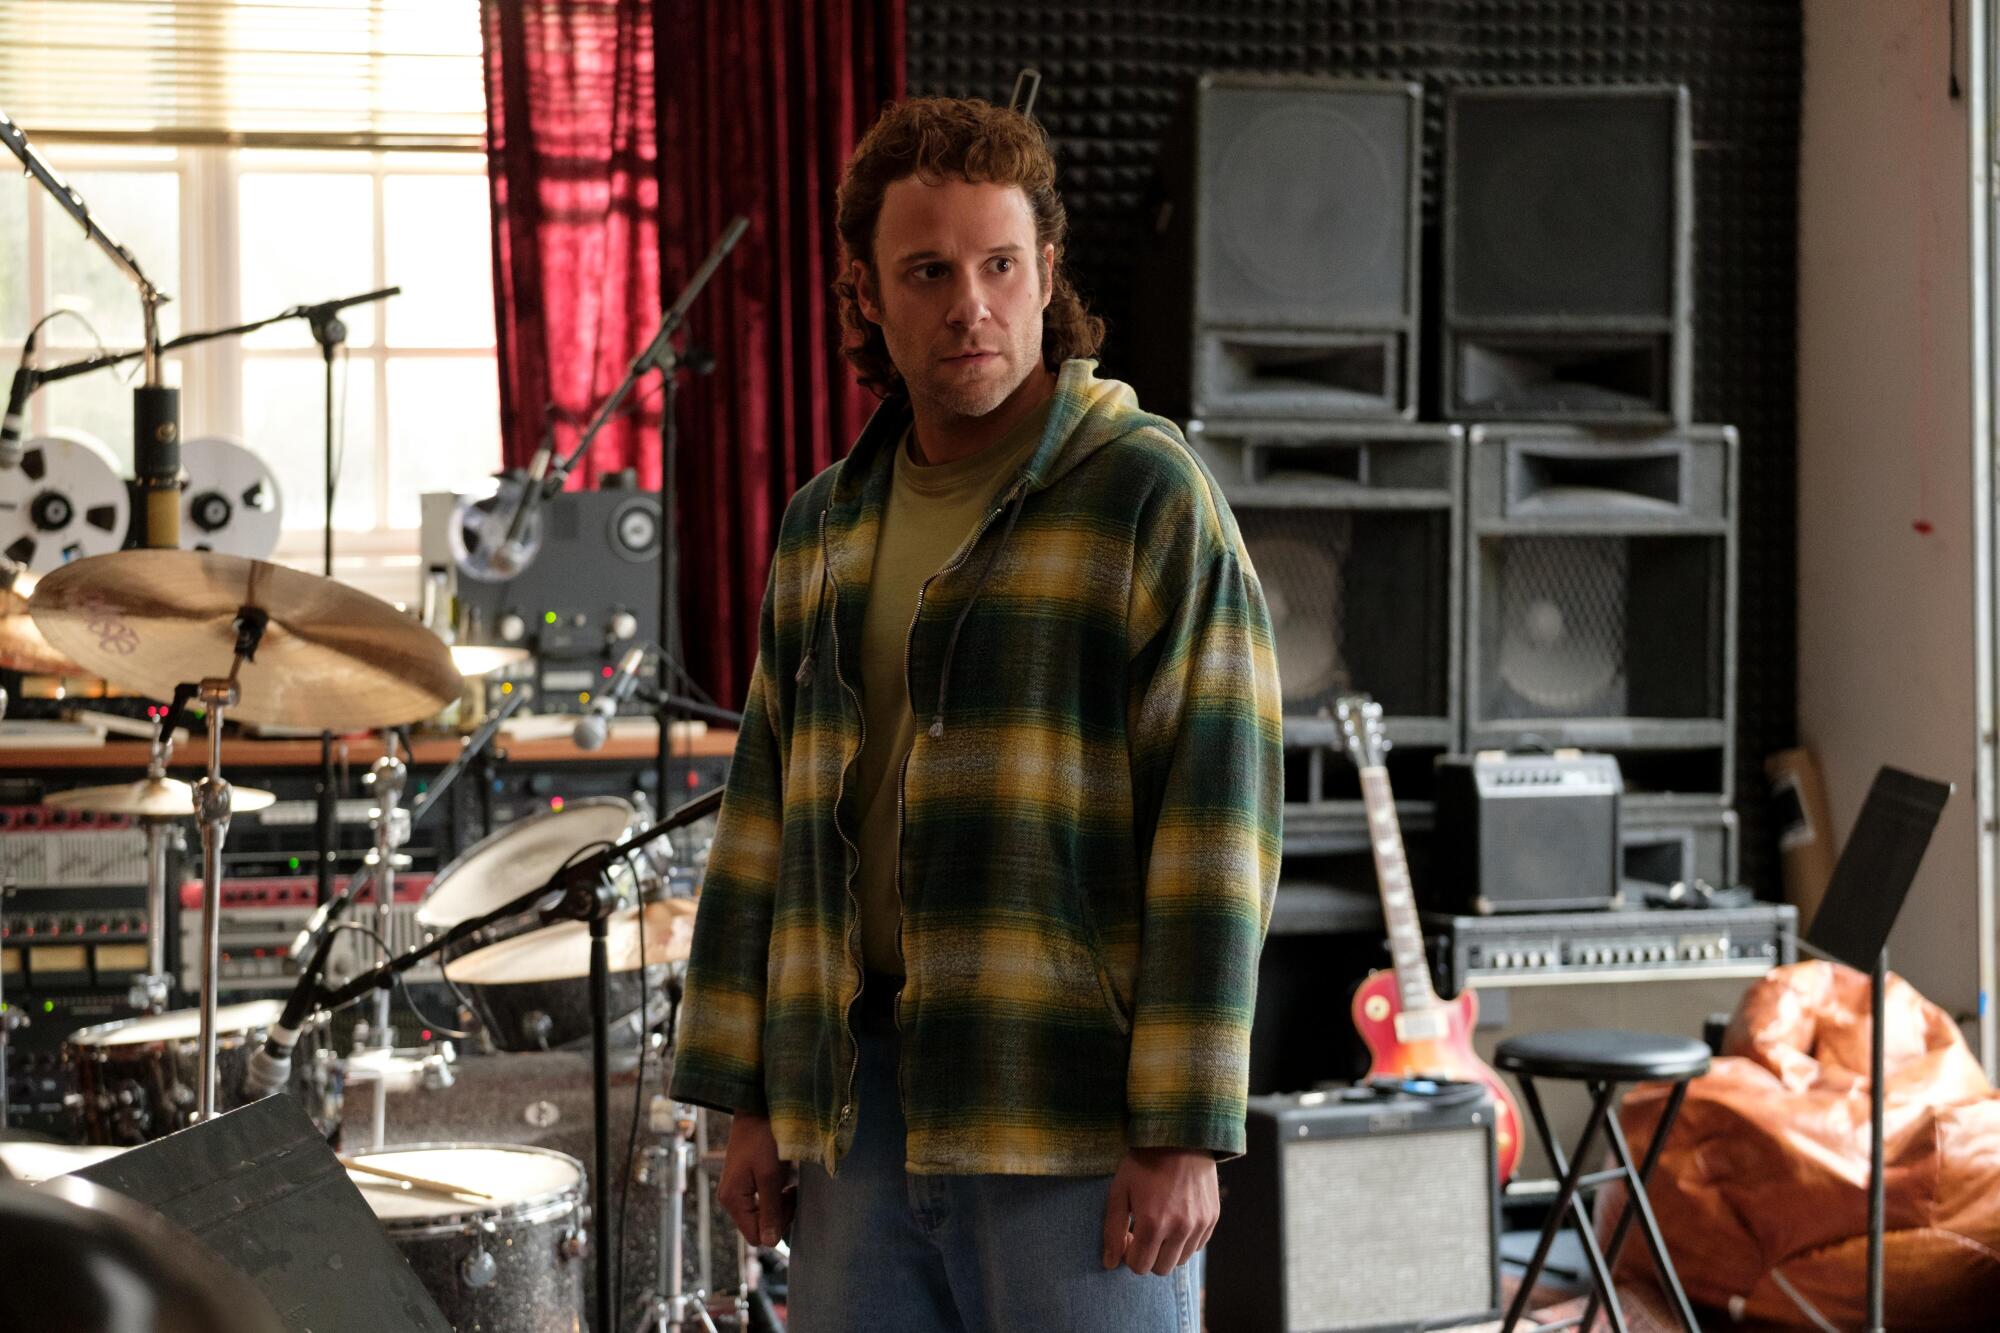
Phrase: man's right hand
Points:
(753, 1188)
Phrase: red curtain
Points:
(761, 101)
(572, 164)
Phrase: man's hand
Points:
(753, 1189)
(1167, 1197)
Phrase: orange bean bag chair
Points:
(1763, 1186)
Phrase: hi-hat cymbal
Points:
(331, 656)
(562, 952)
(478, 659)
(154, 798)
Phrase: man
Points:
(977, 945)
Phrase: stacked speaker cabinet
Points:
(1601, 600)
(1283, 278)
(1354, 533)
(1566, 238)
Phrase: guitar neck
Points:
(1399, 903)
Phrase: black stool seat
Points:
(1595, 1054)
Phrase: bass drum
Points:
(138, 1080)
(499, 868)
(513, 1262)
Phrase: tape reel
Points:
(65, 501)
(231, 502)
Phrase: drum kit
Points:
(556, 932)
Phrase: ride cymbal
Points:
(329, 657)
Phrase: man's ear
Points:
(865, 294)
(1048, 274)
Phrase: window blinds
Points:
(310, 73)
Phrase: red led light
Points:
(606, 673)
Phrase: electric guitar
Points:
(1409, 1030)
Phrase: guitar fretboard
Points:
(1399, 903)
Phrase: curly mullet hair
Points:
(934, 139)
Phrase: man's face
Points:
(958, 290)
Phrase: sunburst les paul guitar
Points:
(1410, 1031)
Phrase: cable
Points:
(402, 979)
(638, 1103)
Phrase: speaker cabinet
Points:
(1566, 240)
(1378, 1214)
(1283, 275)
(1352, 528)
(1600, 586)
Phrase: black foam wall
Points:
(1113, 76)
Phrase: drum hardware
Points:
(580, 891)
(332, 656)
(387, 777)
(671, 1306)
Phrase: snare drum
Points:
(139, 1079)
(512, 1263)
(499, 868)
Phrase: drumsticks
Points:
(434, 1186)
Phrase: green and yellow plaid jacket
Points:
(1090, 817)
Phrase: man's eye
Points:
(930, 271)
(1004, 264)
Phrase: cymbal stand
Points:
(391, 825)
(150, 992)
(671, 1163)
(211, 804)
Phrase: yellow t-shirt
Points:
(932, 511)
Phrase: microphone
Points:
(11, 425)
(269, 1067)
(594, 726)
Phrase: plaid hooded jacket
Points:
(1090, 816)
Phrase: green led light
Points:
(292, 862)
(548, 617)
(48, 1006)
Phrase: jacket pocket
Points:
(1119, 1014)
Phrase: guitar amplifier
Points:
(1525, 833)
(1359, 1210)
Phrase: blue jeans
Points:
(879, 1249)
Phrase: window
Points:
(235, 234)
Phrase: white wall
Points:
(1885, 611)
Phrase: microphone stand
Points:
(577, 892)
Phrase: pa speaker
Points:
(1283, 278)
(1353, 529)
(1600, 589)
(1566, 242)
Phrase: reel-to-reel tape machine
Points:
(66, 501)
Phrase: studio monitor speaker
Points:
(1566, 243)
(1600, 590)
(1283, 278)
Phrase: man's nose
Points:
(968, 301)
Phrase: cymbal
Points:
(154, 798)
(562, 952)
(331, 657)
(477, 659)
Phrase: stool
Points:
(1601, 1061)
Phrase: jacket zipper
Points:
(909, 693)
(839, 794)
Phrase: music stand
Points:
(1852, 926)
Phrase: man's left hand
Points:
(1162, 1209)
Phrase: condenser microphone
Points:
(594, 726)
(12, 424)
